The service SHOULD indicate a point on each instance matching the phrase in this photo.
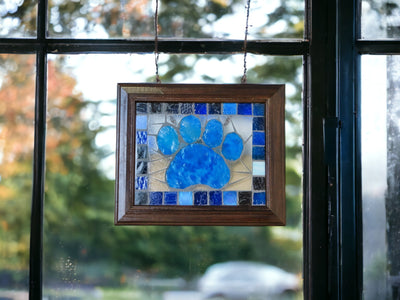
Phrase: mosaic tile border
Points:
(255, 196)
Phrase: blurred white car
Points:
(246, 280)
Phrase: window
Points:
(93, 45)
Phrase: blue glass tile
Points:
(200, 198)
(155, 107)
(232, 147)
(141, 152)
(141, 183)
(172, 108)
(156, 198)
(259, 123)
(141, 167)
(141, 122)
(152, 143)
(259, 183)
(258, 153)
(185, 198)
(259, 138)
(259, 198)
(215, 198)
(259, 168)
(259, 109)
(214, 108)
(167, 140)
(141, 198)
(229, 108)
(190, 129)
(186, 108)
(197, 164)
(244, 109)
(245, 198)
(141, 137)
(170, 198)
(200, 108)
(212, 135)
(141, 107)
(230, 198)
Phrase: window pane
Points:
(84, 253)
(380, 175)
(380, 19)
(17, 89)
(189, 19)
(18, 18)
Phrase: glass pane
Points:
(17, 94)
(18, 18)
(380, 175)
(189, 19)
(86, 255)
(380, 19)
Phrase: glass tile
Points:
(141, 137)
(141, 122)
(141, 107)
(229, 108)
(172, 108)
(200, 198)
(245, 198)
(200, 108)
(259, 123)
(141, 152)
(259, 138)
(170, 198)
(259, 183)
(259, 168)
(152, 143)
(141, 198)
(215, 198)
(258, 109)
(141, 183)
(186, 108)
(259, 153)
(156, 198)
(244, 109)
(230, 198)
(155, 107)
(214, 108)
(259, 198)
(141, 167)
(185, 198)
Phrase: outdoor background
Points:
(85, 255)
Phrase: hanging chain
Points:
(246, 32)
(156, 54)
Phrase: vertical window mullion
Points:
(36, 237)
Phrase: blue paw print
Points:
(195, 162)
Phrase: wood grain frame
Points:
(273, 213)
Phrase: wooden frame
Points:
(272, 213)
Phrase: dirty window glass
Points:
(87, 256)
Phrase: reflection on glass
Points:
(18, 19)
(189, 19)
(380, 162)
(17, 89)
(85, 255)
(380, 19)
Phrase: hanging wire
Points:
(156, 54)
(246, 32)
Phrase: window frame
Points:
(331, 49)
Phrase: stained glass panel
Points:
(179, 149)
